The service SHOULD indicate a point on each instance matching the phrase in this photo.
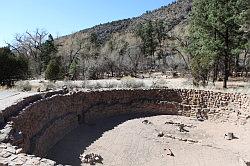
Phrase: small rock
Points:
(170, 122)
(12, 158)
(146, 122)
(170, 153)
(229, 136)
(6, 154)
(18, 151)
(161, 134)
(11, 150)
(181, 128)
(91, 159)
(2, 146)
(65, 88)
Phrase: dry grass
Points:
(23, 86)
(234, 86)
(132, 83)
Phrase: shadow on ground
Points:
(68, 150)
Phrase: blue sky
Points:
(61, 17)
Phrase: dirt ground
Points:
(10, 96)
(127, 141)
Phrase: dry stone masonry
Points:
(30, 128)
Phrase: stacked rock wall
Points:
(43, 123)
(14, 109)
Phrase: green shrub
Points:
(53, 71)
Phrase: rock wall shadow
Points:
(68, 150)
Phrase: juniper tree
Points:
(12, 67)
(53, 70)
(48, 51)
(73, 70)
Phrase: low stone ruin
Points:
(35, 124)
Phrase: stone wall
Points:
(44, 122)
(14, 109)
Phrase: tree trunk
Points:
(225, 75)
(237, 66)
(226, 61)
(165, 65)
(112, 71)
(244, 64)
(183, 58)
(215, 74)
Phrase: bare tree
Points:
(29, 45)
(74, 52)
(135, 56)
(180, 47)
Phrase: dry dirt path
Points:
(9, 97)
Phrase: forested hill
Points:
(171, 14)
(117, 47)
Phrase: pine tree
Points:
(216, 33)
(147, 33)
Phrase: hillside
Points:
(112, 37)
(173, 14)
